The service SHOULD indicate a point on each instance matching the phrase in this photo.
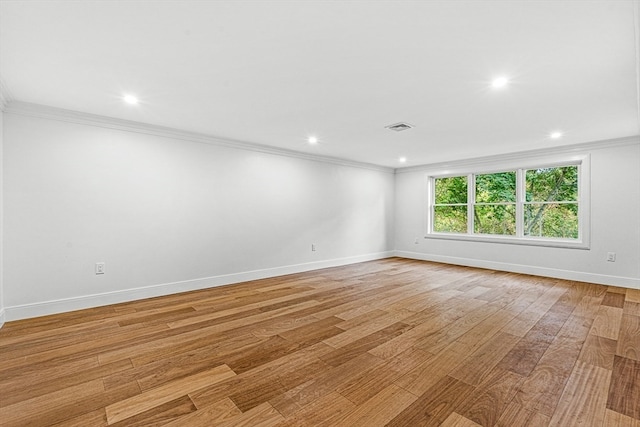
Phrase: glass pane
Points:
(552, 184)
(451, 190)
(450, 219)
(495, 219)
(551, 220)
(496, 187)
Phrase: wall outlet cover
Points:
(99, 267)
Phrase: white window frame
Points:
(520, 167)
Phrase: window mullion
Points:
(471, 200)
(520, 199)
(431, 203)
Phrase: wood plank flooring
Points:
(393, 342)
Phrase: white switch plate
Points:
(611, 256)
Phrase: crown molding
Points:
(59, 114)
(522, 155)
(53, 113)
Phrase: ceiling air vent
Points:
(399, 127)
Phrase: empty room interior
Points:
(320, 213)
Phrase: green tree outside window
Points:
(549, 203)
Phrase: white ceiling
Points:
(275, 72)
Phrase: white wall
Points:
(167, 215)
(615, 226)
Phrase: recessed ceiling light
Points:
(312, 140)
(555, 135)
(130, 99)
(402, 160)
(500, 82)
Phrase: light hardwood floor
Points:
(392, 342)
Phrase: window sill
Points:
(527, 241)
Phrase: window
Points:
(450, 209)
(494, 207)
(540, 205)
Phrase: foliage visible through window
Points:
(547, 203)
(494, 211)
(551, 206)
(450, 208)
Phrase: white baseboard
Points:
(95, 300)
(579, 276)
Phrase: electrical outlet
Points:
(417, 241)
(313, 247)
(611, 256)
(99, 267)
